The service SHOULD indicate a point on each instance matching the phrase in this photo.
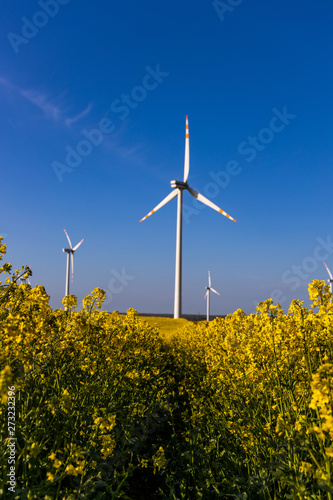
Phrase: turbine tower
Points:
(70, 252)
(330, 281)
(207, 294)
(178, 188)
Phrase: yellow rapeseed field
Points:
(167, 327)
(102, 406)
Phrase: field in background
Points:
(167, 326)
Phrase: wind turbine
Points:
(330, 281)
(207, 294)
(25, 281)
(178, 188)
(70, 252)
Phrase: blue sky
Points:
(94, 99)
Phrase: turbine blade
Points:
(69, 241)
(187, 152)
(173, 193)
(209, 280)
(212, 289)
(329, 272)
(206, 294)
(77, 246)
(72, 263)
(209, 203)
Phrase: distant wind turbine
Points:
(70, 252)
(207, 294)
(25, 281)
(330, 281)
(179, 187)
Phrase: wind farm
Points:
(178, 187)
(94, 159)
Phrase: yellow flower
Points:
(70, 469)
(94, 300)
(57, 463)
(65, 400)
(298, 426)
(159, 459)
(35, 449)
(70, 302)
(6, 377)
(49, 477)
(306, 468)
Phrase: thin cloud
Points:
(40, 100)
(83, 113)
(134, 153)
(50, 107)
(4, 81)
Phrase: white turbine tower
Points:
(179, 187)
(207, 294)
(330, 281)
(70, 252)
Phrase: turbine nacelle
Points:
(69, 250)
(179, 185)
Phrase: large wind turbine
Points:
(178, 188)
(331, 277)
(70, 252)
(207, 294)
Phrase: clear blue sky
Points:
(94, 97)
